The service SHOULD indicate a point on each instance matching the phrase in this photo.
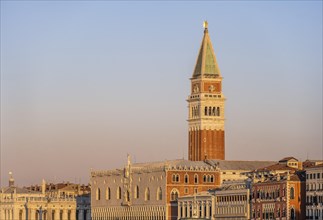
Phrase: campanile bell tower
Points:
(206, 106)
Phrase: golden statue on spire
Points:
(205, 24)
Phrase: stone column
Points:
(32, 214)
(208, 214)
(212, 209)
(73, 214)
(15, 213)
(48, 214)
(9, 214)
(203, 209)
(65, 214)
(180, 204)
(1, 213)
(188, 209)
(57, 214)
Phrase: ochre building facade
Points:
(22, 204)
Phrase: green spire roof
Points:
(206, 64)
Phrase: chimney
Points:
(43, 186)
(11, 180)
(300, 165)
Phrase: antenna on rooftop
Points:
(182, 153)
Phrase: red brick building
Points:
(278, 191)
(188, 181)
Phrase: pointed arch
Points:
(147, 194)
(107, 193)
(174, 194)
(292, 193)
(214, 111)
(186, 179)
(196, 178)
(159, 193)
(127, 196)
(119, 193)
(177, 178)
(136, 194)
(98, 194)
(174, 178)
(205, 111)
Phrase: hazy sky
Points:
(85, 83)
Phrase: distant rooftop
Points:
(18, 190)
(182, 164)
(240, 164)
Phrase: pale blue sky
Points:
(85, 83)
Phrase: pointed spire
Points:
(206, 64)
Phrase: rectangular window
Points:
(318, 176)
